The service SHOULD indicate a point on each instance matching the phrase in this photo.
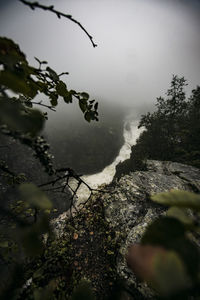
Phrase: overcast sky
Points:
(141, 43)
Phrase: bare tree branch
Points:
(61, 184)
(59, 14)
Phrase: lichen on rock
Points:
(130, 210)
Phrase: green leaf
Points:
(170, 234)
(33, 121)
(54, 102)
(54, 99)
(163, 232)
(85, 95)
(18, 84)
(34, 196)
(96, 106)
(31, 242)
(68, 98)
(31, 237)
(61, 89)
(87, 116)
(52, 74)
(10, 54)
(178, 198)
(83, 105)
(43, 87)
(72, 92)
(92, 101)
(18, 117)
(181, 214)
(170, 276)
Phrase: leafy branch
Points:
(27, 220)
(59, 14)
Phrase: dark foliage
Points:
(172, 132)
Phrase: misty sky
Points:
(141, 43)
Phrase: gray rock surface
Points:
(130, 210)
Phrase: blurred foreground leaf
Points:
(19, 118)
(31, 242)
(170, 233)
(181, 214)
(18, 84)
(170, 276)
(34, 196)
(178, 198)
(163, 231)
(32, 237)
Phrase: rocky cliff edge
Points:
(130, 210)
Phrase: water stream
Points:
(131, 133)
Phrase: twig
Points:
(54, 189)
(41, 104)
(69, 173)
(53, 181)
(59, 14)
(81, 205)
(63, 73)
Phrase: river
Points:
(130, 134)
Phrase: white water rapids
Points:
(131, 133)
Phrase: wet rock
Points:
(130, 210)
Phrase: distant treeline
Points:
(172, 131)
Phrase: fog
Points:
(141, 43)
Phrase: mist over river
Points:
(93, 149)
(140, 45)
(85, 147)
